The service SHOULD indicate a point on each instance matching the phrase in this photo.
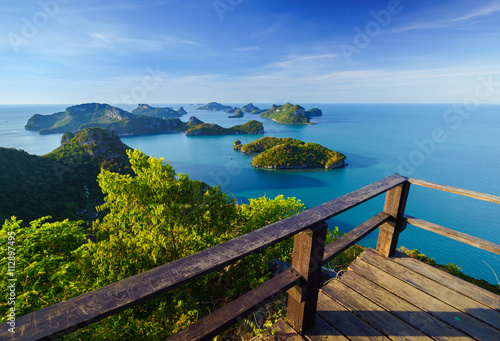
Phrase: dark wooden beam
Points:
(307, 259)
(395, 203)
(353, 236)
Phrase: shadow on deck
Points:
(399, 298)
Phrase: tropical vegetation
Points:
(288, 113)
(250, 127)
(152, 217)
(287, 153)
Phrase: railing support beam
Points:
(395, 203)
(307, 259)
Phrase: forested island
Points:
(236, 113)
(288, 153)
(214, 106)
(291, 114)
(251, 127)
(146, 110)
(141, 121)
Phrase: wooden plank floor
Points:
(400, 298)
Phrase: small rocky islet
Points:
(288, 153)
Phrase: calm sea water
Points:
(425, 141)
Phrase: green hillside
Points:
(61, 183)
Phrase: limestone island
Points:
(252, 109)
(236, 113)
(146, 110)
(214, 106)
(291, 114)
(251, 127)
(288, 153)
(123, 123)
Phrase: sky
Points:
(240, 51)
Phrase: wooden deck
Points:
(399, 298)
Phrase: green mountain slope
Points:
(76, 116)
(63, 182)
(146, 110)
(290, 114)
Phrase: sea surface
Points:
(443, 143)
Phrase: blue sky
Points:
(240, 51)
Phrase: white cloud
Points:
(115, 41)
(458, 18)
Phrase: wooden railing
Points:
(302, 281)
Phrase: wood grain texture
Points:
(409, 313)
(464, 192)
(418, 297)
(395, 203)
(352, 237)
(455, 235)
(307, 260)
(468, 289)
(345, 321)
(371, 313)
(323, 331)
(435, 288)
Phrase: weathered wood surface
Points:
(400, 298)
(395, 203)
(466, 288)
(212, 325)
(406, 311)
(352, 237)
(435, 288)
(409, 286)
(323, 331)
(307, 260)
(343, 320)
(372, 313)
(452, 234)
(464, 192)
(75, 313)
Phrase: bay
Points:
(433, 142)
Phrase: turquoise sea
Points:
(444, 143)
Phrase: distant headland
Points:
(141, 121)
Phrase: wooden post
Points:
(395, 202)
(307, 259)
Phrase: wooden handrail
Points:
(66, 317)
(460, 191)
(352, 237)
(212, 325)
(455, 235)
